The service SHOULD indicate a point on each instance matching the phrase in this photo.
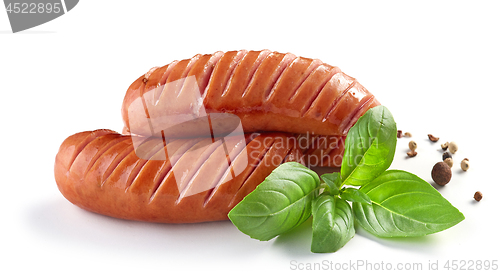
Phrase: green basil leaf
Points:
(404, 205)
(280, 203)
(333, 181)
(369, 147)
(333, 224)
(355, 195)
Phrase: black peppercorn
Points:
(478, 196)
(446, 155)
(441, 173)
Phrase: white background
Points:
(434, 64)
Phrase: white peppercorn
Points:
(412, 145)
(449, 162)
(453, 147)
(465, 164)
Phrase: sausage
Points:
(180, 160)
(268, 91)
(168, 181)
(322, 150)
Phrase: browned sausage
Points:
(268, 91)
(197, 172)
(322, 150)
(170, 181)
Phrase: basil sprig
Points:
(333, 223)
(388, 203)
(280, 203)
(403, 205)
(369, 147)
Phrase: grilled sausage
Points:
(268, 91)
(169, 181)
(180, 161)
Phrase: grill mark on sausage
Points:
(356, 113)
(255, 65)
(90, 153)
(283, 65)
(314, 66)
(140, 162)
(265, 78)
(116, 141)
(192, 182)
(167, 72)
(221, 88)
(328, 152)
(198, 71)
(152, 79)
(145, 106)
(191, 63)
(315, 142)
(275, 85)
(205, 155)
(207, 72)
(256, 74)
(254, 167)
(243, 80)
(118, 159)
(123, 166)
(278, 80)
(163, 80)
(230, 169)
(334, 153)
(229, 80)
(161, 177)
(176, 77)
(188, 68)
(338, 99)
(287, 154)
(311, 99)
(92, 135)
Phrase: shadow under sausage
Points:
(60, 222)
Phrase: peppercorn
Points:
(449, 161)
(453, 147)
(441, 173)
(433, 138)
(412, 145)
(446, 155)
(464, 164)
(445, 146)
(412, 153)
(478, 196)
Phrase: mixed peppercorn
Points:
(441, 172)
